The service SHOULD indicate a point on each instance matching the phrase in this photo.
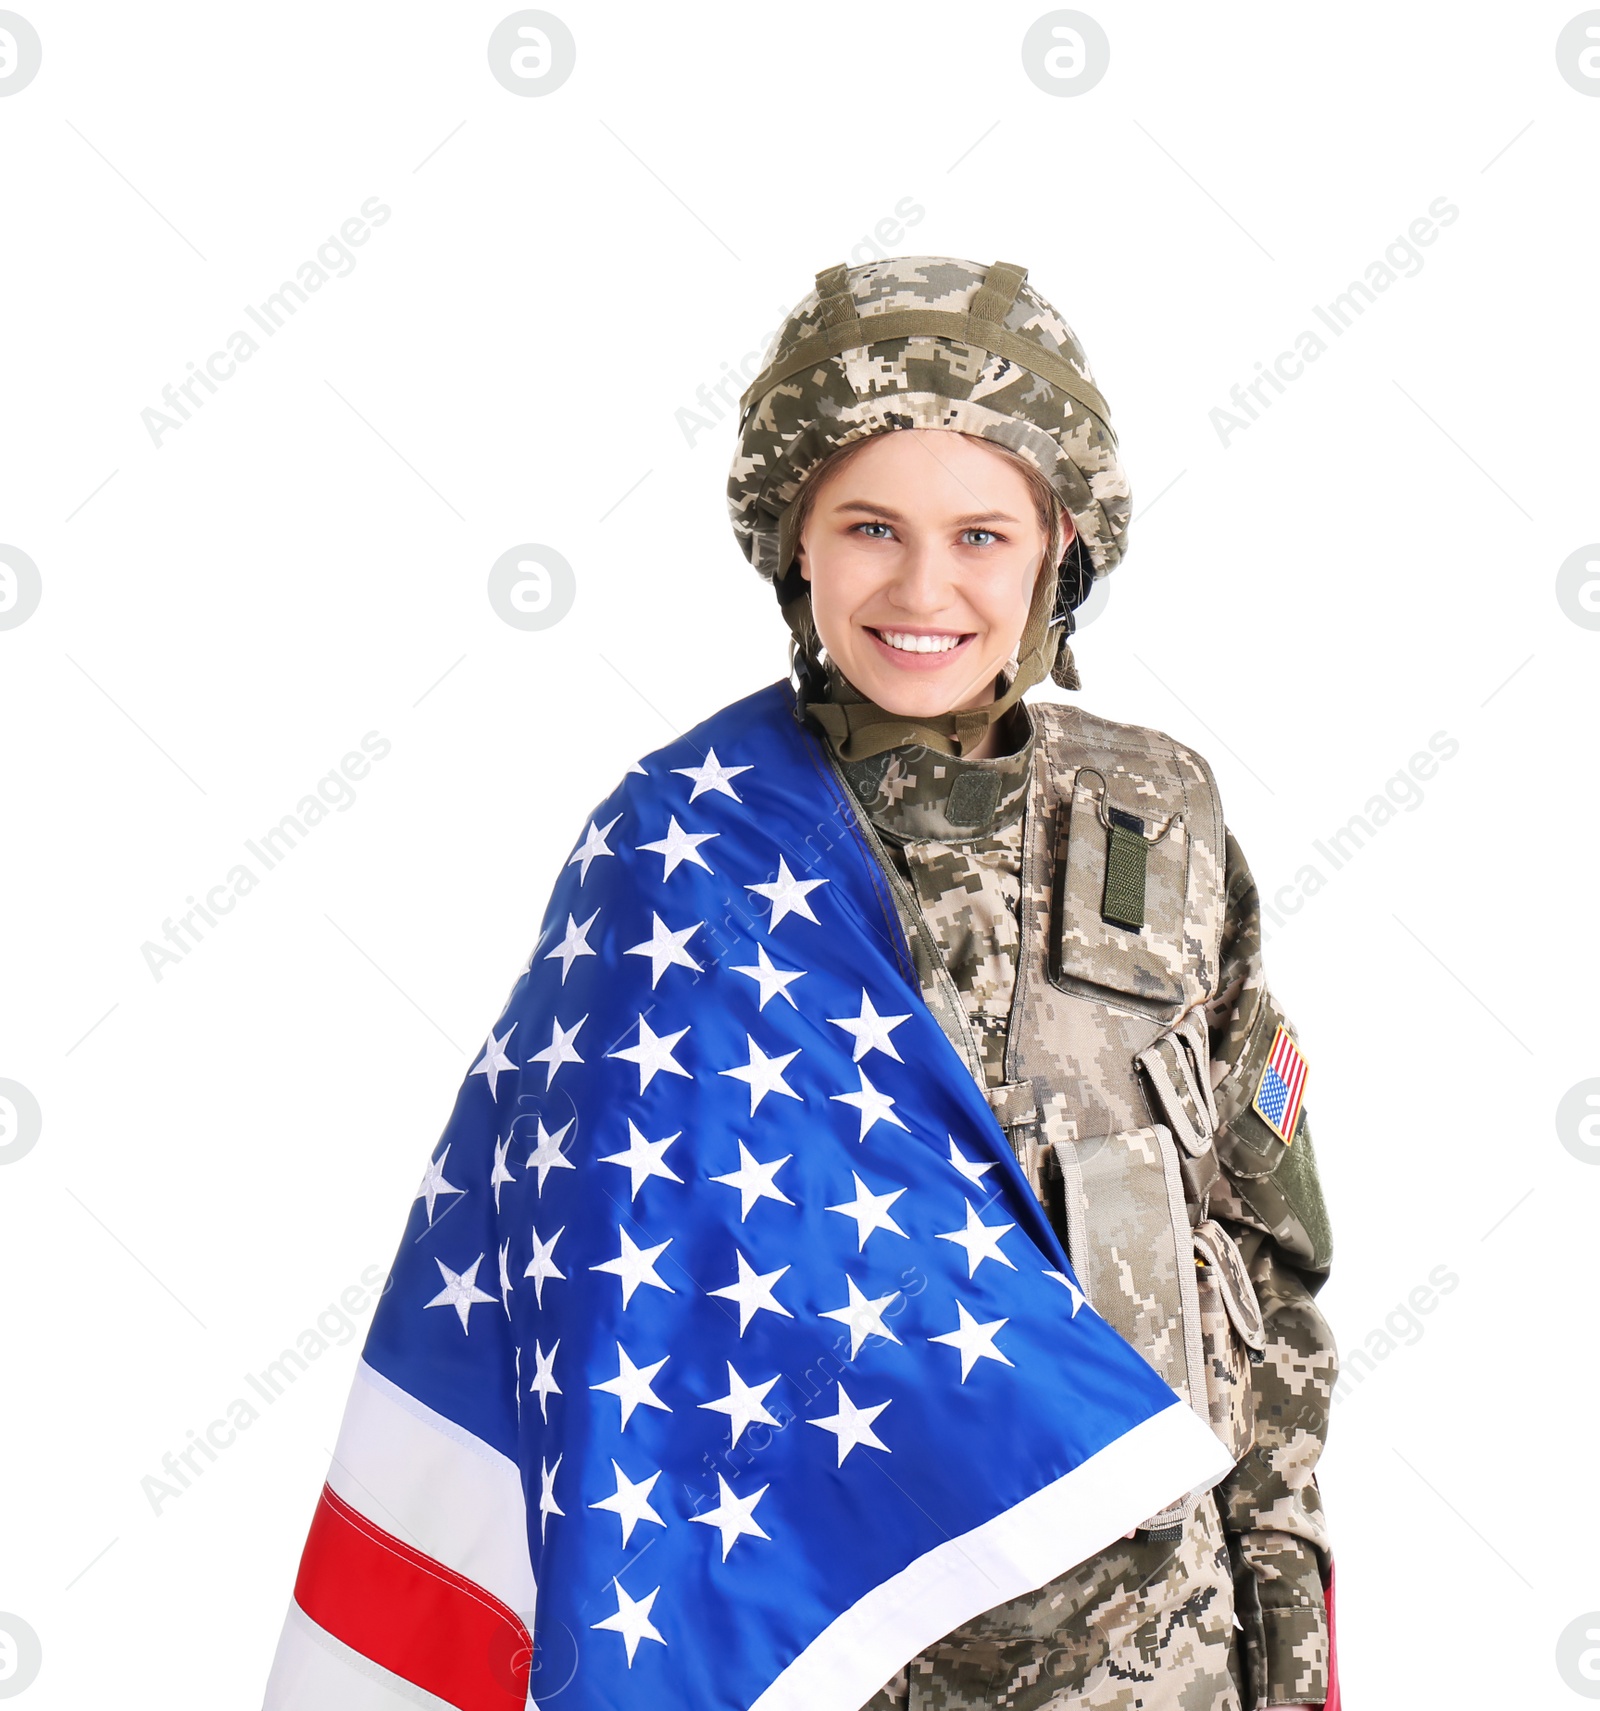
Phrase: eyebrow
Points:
(895, 517)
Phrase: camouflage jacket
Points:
(952, 829)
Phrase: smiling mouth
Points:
(919, 642)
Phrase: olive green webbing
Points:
(837, 302)
(963, 327)
(1123, 903)
(993, 299)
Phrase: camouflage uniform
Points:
(1228, 1609)
(1231, 1614)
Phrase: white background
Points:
(226, 1149)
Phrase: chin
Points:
(920, 700)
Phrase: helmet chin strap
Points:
(858, 728)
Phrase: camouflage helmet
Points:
(926, 342)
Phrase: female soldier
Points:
(634, 1263)
(927, 473)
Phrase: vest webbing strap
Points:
(844, 329)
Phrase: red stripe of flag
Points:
(411, 1614)
(1333, 1701)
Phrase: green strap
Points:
(997, 293)
(844, 328)
(1126, 852)
(834, 294)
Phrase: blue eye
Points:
(989, 532)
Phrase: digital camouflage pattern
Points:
(1097, 1000)
(925, 382)
(1232, 1335)
(966, 876)
(1279, 1184)
(1270, 1503)
(1015, 966)
(1143, 1626)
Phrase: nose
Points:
(923, 585)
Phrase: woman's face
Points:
(921, 553)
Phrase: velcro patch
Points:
(1122, 904)
(1282, 1089)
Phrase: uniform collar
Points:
(911, 792)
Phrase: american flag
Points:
(725, 1317)
(1282, 1088)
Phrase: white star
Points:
(973, 1341)
(494, 1060)
(499, 1174)
(434, 1184)
(864, 1317)
(559, 1051)
(982, 1241)
(679, 846)
(753, 1292)
(871, 1030)
(636, 1266)
(712, 776)
(665, 947)
(653, 1054)
(643, 1159)
(542, 1266)
(594, 845)
(754, 1180)
(505, 1277)
(643, 772)
(764, 1074)
(574, 945)
(1079, 1299)
(787, 894)
(547, 1493)
(870, 1211)
(631, 1386)
(544, 1384)
(630, 1502)
(972, 1172)
(734, 1516)
(771, 979)
(460, 1290)
(745, 1404)
(875, 1107)
(852, 1425)
(548, 1156)
(632, 1619)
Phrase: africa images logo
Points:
(334, 259)
(1402, 259)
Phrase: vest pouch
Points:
(1232, 1336)
(1129, 1240)
(1121, 888)
(1176, 1067)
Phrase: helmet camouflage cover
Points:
(925, 342)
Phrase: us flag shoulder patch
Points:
(1282, 1088)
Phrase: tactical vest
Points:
(1108, 1099)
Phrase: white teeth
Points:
(920, 644)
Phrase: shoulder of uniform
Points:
(1077, 725)
(1076, 737)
